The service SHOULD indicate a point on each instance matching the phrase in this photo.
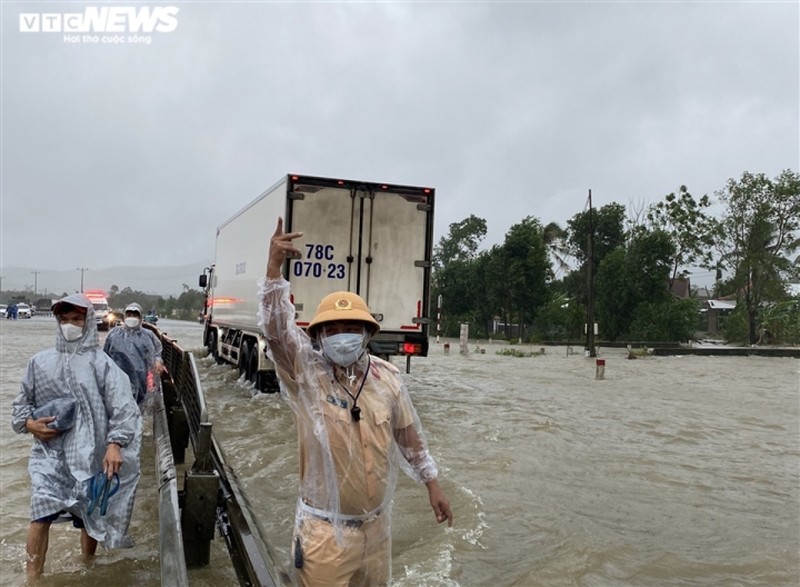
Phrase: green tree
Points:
(649, 266)
(528, 270)
(670, 320)
(491, 295)
(559, 319)
(454, 272)
(607, 227)
(555, 240)
(614, 307)
(760, 233)
(457, 285)
(461, 243)
(633, 276)
(693, 233)
(607, 223)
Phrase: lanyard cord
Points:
(355, 411)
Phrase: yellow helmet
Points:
(343, 305)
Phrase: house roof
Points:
(721, 304)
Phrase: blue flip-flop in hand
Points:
(101, 488)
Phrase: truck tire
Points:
(252, 365)
(244, 359)
(267, 382)
(212, 347)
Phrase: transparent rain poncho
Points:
(106, 412)
(348, 468)
(137, 351)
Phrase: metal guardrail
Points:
(211, 494)
(173, 561)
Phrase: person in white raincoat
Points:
(137, 351)
(98, 434)
(356, 426)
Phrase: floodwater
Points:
(671, 471)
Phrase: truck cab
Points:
(103, 316)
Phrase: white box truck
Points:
(374, 239)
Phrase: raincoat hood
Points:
(90, 339)
(134, 307)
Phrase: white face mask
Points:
(131, 322)
(71, 332)
(344, 348)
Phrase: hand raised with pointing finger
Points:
(281, 247)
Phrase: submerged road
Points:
(670, 471)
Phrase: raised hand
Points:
(281, 248)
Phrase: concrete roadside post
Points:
(600, 369)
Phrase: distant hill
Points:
(163, 281)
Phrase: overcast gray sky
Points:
(133, 154)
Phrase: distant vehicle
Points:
(151, 317)
(43, 306)
(115, 318)
(3, 308)
(101, 309)
(23, 310)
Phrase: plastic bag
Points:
(63, 408)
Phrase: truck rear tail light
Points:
(410, 348)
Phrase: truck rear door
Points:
(370, 239)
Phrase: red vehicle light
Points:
(409, 348)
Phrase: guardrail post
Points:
(200, 488)
(176, 419)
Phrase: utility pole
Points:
(590, 271)
(35, 282)
(82, 270)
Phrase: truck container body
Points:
(372, 239)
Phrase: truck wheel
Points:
(212, 347)
(251, 372)
(244, 358)
(267, 382)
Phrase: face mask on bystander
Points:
(132, 322)
(71, 332)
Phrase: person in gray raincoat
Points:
(137, 351)
(87, 432)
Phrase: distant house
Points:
(702, 293)
(715, 312)
(681, 287)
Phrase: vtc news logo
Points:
(102, 19)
